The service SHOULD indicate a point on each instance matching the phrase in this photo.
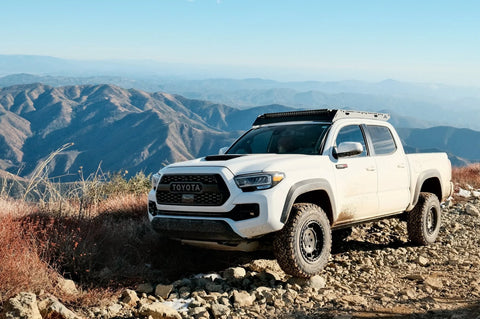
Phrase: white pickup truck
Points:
(295, 177)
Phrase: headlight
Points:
(259, 181)
(155, 180)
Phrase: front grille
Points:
(214, 190)
(205, 179)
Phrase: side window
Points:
(351, 133)
(382, 139)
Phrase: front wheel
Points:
(423, 222)
(303, 246)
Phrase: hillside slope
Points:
(128, 129)
(122, 129)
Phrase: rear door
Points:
(356, 178)
(392, 168)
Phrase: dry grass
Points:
(21, 267)
(468, 175)
(95, 233)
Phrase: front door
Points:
(356, 178)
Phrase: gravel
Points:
(375, 272)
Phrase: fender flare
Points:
(297, 189)
(422, 177)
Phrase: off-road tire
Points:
(423, 222)
(303, 246)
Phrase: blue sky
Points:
(421, 41)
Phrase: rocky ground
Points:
(374, 273)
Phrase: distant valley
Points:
(129, 129)
(429, 104)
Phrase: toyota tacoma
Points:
(295, 177)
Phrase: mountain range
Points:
(431, 104)
(129, 129)
(111, 126)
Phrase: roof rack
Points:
(323, 115)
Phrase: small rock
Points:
(67, 286)
(130, 297)
(472, 210)
(145, 288)
(422, 261)
(114, 309)
(464, 193)
(259, 265)
(51, 307)
(316, 282)
(242, 298)
(163, 291)
(434, 283)
(158, 310)
(24, 306)
(411, 293)
(220, 310)
(198, 312)
(234, 273)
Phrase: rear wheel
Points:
(424, 220)
(303, 246)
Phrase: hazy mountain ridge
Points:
(123, 129)
(464, 143)
(433, 104)
(134, 130)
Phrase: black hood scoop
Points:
(225, 157)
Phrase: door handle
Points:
(401, 165)
(371, 169)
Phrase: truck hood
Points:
(245, 164)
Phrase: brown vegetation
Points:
(95, 233)
(468, 175)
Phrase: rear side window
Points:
(382, 139)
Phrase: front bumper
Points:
(195, 229)
(233, 220)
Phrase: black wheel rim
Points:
(431, 220)
(311, 241)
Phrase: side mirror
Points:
(223, 150)
(346, 149)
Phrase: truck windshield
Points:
(282, 139)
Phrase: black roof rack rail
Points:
(323, 115)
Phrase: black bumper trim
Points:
(239, 212)
(195, 229)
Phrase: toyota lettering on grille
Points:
(186, 188)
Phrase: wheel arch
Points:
(428, 181)
(315, 191)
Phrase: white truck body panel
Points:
(357, 188)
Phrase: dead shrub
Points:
(21, 268)
(468, 175)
